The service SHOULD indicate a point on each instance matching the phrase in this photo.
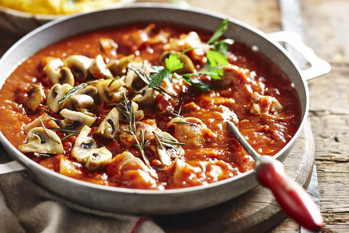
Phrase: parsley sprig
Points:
(215, 57)
(216, 54)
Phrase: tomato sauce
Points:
(220, 157)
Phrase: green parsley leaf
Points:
(173, 63)
(219, 32)
(196, 83)
(223, 45)
(215, 58)
(160, 74)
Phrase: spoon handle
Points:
(292, 198)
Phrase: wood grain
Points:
(327, 24)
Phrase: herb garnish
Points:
(47, 114)
(72, 92)
(173, 114)
(216, 54)
(113, 80)
(125, 108)
(184, 122)
(48, 133)
(68, 136)
(215, 58)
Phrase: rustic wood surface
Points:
(326, 26)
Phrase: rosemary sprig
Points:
(173, 114)
(167, 140)
(184, 122)
(68, 136)
(72, 92)
(113, 80)
(63, 130)
(48, 133)
(125, 108)
(47, 114)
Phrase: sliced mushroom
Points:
(99, 69)
(118, 67)
(110, 125)
(75, 120)
(146, 96)
(83, 143)
(85, 151)
(56, 93)
(79, 65)
(171, 146)
(89, 90)
(139, 114)
(188, 66)
(80, 103)
(42, 140)
(35, 96)
(109, 46)
(48, 122)
(111, 91)
(132, 80)
(57, 73)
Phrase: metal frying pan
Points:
(124, 200)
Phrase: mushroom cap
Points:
(57, 73)
(35, 96)
(110, 125)
(57, 92)
(42, 140)
(80, 103)
(118, 67)
(111, 91)
(79, 65)
(99, 69)
(146, 96)
(76, 119)
(97, 158)
(132, 80)
(85, 151)
(48, 122)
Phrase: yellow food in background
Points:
(55, 6)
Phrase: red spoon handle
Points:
(292, 198)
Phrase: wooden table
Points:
(326, 26)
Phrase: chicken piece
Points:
(264, 104)
(127, 139)
(192, 131)
(186, 41)
(137, 39)
(131, 172)
(185, 174)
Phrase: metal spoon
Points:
(292, 198)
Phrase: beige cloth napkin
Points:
(26, 206)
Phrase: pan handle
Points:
(12, 166)
(318, 67)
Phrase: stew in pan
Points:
(145, 106)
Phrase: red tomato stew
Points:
(145, 106)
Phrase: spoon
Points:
(292, 197)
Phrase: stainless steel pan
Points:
(124, 200)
